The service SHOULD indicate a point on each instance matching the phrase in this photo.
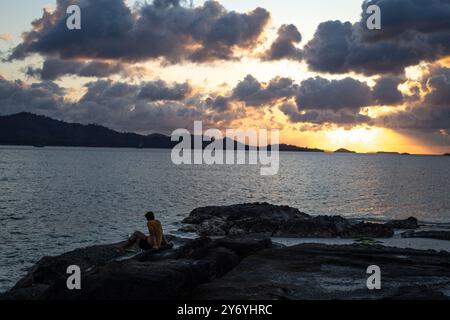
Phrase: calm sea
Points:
(56, 199)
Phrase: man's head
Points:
(150, 216)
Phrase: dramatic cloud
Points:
(162, 29)
(412, 31)
(256, 94)
(284, 46)
(53, 69)
(42, 98)
(342, 117)
(402, 16)
(118, 105)
(321, 101)
(320, 93)
(219, 103)
(386, 91)
(159, 90)
(432, 113)
(147, 91)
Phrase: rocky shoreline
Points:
(284, 221)
(235, 258)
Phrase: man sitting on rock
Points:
(153, 241)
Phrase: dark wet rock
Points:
(213, 227)
(317, 227)
(36, 291)
(243, 211)
(134, 280)
(282, 221)
(244, 246)
(167, 274)
(410, 223)
(220, 261)
(236, 231)
(49, 269)
(237, 219)
(248, 267)
(431, 234)
(314, 271)
(367, 230)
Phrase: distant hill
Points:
(291, 148)
(34, 130)
(31, 129)
(342, 150)
(447, 154)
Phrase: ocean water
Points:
(57, 199)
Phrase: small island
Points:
(343, 150)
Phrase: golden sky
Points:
(382, 128)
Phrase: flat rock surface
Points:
(165, 275)
(241, 268)
(315, 271)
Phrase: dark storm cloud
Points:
(284, 46)
(104, 90)
(318, 100)
(148, 91)
(53, 69)
(117, 105)
(338, 48)
(45, 97)
(320, 93)
(219, 103)
(159, 90)
(343, 117)
(438, 84)
(432, 113)
(120, 106)
(412, 31)
(162, 29)
(400, 16)
(255, 93)
(385, 91)
(321, 101)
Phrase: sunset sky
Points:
(310, 68)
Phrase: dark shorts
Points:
(144, 245)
